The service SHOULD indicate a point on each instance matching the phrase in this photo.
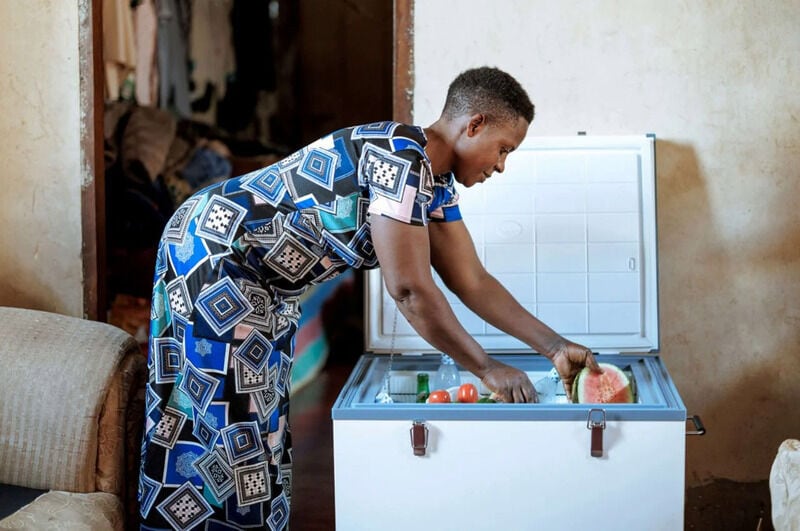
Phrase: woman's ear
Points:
(476, 121)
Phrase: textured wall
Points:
(40, 262)
(718, 84)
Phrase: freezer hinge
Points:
(596, 422)
(419, 438)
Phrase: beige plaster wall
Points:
(40, 153)
(719, 84)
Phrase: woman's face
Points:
(482, 149)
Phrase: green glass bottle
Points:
(423, 388)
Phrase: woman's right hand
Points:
(508, 383)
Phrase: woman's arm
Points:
(454, 258)
(403, 251)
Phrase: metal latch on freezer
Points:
(596, 421)
(419, 438)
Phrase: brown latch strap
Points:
(419, 438)
(596, 421)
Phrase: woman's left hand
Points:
(569, 358)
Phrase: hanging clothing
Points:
(119, 48)
(146, 30)
(232, 263)
(211, 55)
(173, 58)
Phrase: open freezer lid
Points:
(570, 229)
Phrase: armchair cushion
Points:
(71, 409)
(69, 511)
(13, 497)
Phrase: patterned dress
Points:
(231, 264)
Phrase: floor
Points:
(728, 506)
(312, 438)
(719, 506)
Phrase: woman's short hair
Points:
(487, 90)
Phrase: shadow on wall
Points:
(684, 226)
(731, 348)
(18, 294)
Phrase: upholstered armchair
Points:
(71, 410)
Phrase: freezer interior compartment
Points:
(401, 386)
(399, 380)
(376, 375)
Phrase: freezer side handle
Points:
(699, 428)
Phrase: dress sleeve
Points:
(444, 206)
(400, 183)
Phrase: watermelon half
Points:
(613, 386)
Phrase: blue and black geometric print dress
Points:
(231, 264)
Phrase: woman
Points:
(235, 257)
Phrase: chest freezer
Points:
(569, 229)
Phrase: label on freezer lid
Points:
(569, 228)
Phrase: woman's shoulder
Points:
(386, 131)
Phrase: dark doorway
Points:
(327, 64)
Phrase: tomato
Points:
(440, 396)
(468, 393)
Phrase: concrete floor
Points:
(728, 506)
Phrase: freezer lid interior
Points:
(570, 229)
(655, 396)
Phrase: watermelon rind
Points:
(624, 389)
(574, 394)
(634, 391)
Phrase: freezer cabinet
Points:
(404, 465)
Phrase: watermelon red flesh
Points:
(610, 387)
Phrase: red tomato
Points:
(440, 396)
(468, 393)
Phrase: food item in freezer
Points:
(491, 398)
(423, 389)
(439, 396)
(464, 394)
(612, 386)
(467, 393)
(447, 375)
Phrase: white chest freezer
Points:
(569, 229)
